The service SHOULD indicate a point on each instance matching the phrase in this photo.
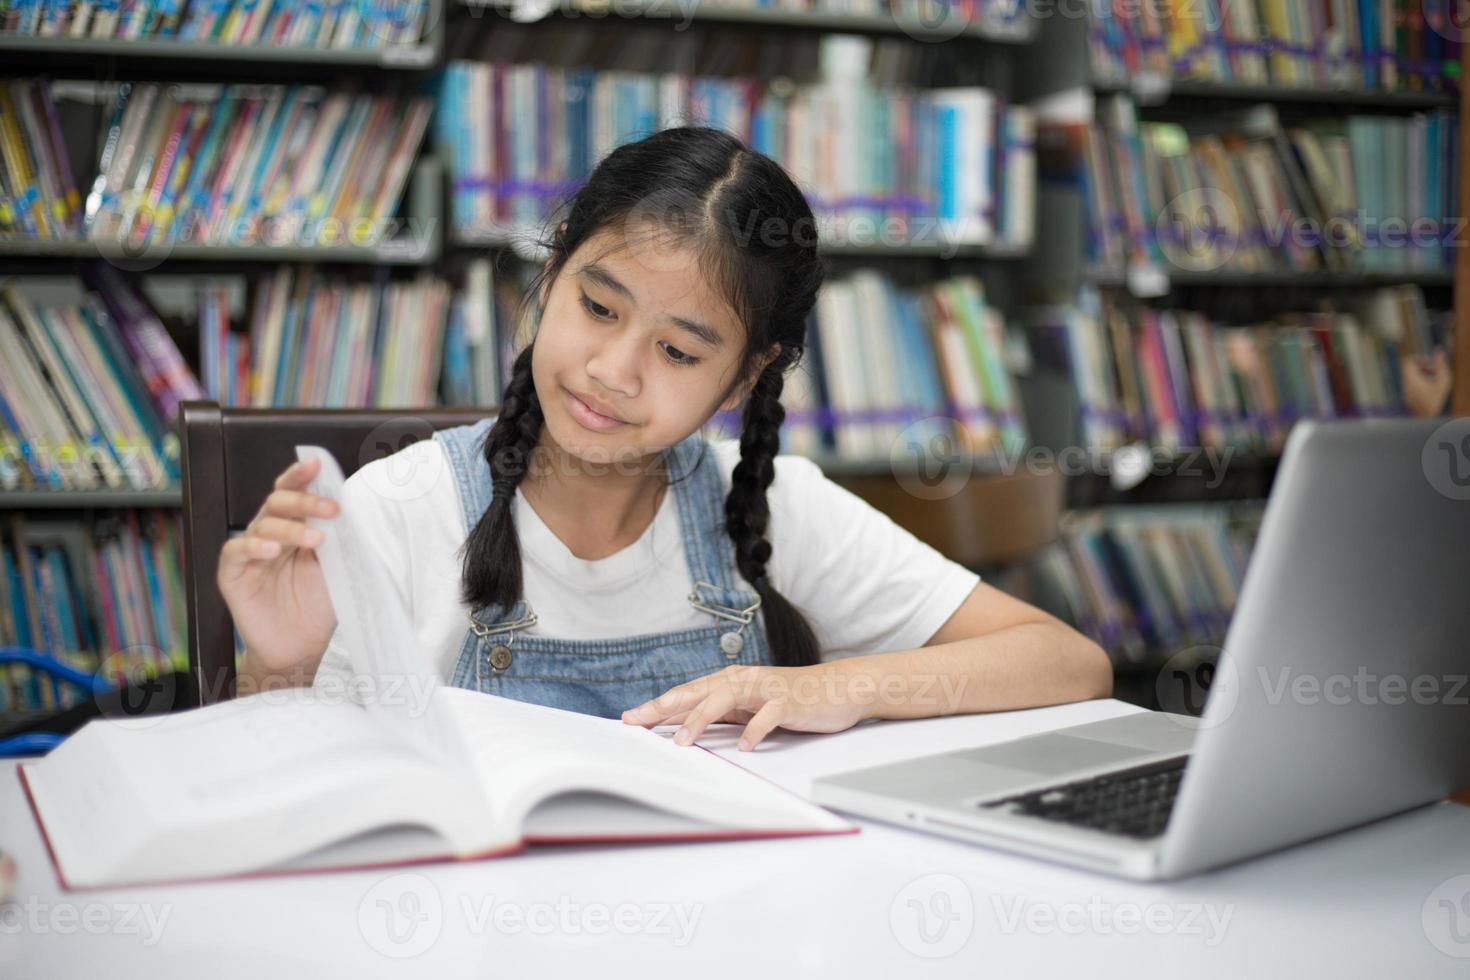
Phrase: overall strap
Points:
(464, 447)
(707, 545)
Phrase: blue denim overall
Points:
(606, 677)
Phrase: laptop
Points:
(1339, 696)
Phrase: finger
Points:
(241, 551)
(289, 532)
(712, 709)
(298, 474)
(294, 477)
(676, 700)
(738, 715)
(764, 722)
(297, 503)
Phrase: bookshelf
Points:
(1071, 78)
(435, 247)
(1066, 66)
(207, 57)
(1196, 95)
(1018, 29)
(509, 238)
(91, 499)
(1026, 59)
(1168, 280)
(411, 252)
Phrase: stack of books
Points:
(1177, 380)
(1373, 45)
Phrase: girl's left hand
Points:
(803, 699)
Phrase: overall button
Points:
(732, 644)
(500, 656)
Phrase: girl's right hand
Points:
(273, 583)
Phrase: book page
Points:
(238, 786)
(526, 754)
(518, 755)
(377, 634)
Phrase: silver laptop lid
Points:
(1341, 694)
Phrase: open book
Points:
(302, 779)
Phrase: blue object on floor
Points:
(35, 743)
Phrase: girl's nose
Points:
(616, 363)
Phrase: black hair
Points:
(756, 238)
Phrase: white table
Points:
(1376, 902)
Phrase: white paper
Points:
(396, 684)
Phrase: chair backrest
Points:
(230, 460)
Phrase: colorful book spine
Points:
(948, 165)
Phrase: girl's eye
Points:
(596, 309)
(600, 312)
(679, 357)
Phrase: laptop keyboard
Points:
(1134, 802)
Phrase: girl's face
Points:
(633, 352)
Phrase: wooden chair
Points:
(230, 460)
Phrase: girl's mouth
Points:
(590, 419)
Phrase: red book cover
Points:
(1336, 374)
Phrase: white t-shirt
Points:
(865, 584)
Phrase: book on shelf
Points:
(102, 593)
(887, 367)
(882, 362)
(968, 336)
(1242, 192)
(86, 386)
(319, 342)
(1178, 380)
(1151, 581)
(1362, 45)
(878, 164)
(334, 24)
(212, 164)
(85, 390)
(308, 780)
(38, 193)
(480, 340)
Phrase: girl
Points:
(586, 548)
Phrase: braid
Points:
(747, 515)
(492, 554)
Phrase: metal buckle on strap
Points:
(741, 616)
(483, 630)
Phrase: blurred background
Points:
(1086, 265)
